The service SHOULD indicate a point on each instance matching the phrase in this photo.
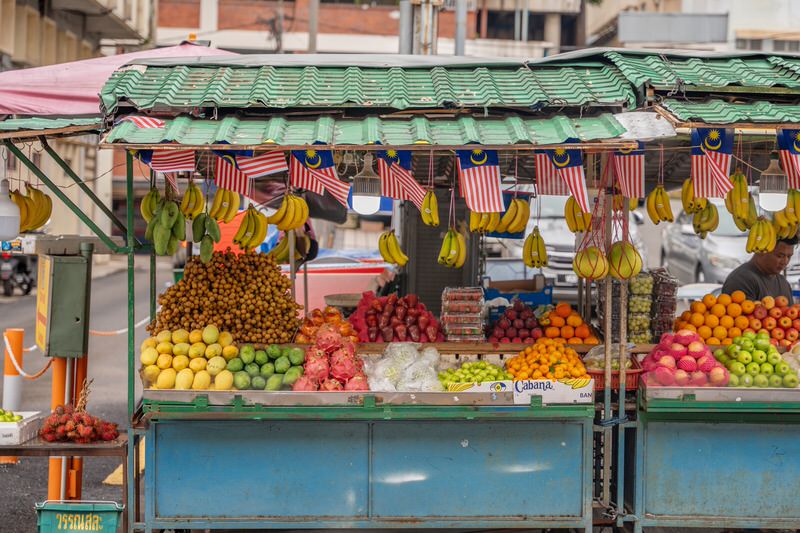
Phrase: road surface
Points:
(27, 480)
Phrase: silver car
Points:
(694, 260)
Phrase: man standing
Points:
(762, 275)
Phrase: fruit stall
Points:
(401, 411)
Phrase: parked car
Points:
(505, 255)
(694, 260)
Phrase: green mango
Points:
(169, 213)
(199, 227)
(161, 236)
(247, 353)
(235, 365)
(267, 369)
(252, 369)
(151, 226)
(212, 228)
(261, 357)
(273, 351)
(179, 227)
(291, 376)
(258, 383)
(206, 249)
(297, 356)
(241, 380)
(274, 382)
(172, 245)
(282, 364)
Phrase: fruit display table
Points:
(255, 459)
(714, 457)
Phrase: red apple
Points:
(768, 302)
(537, 333)
(530, 323)
(775, 312)
(511, 314)
(784, 343)
(778, 333)
(523, 333)
(519, 323)
(782, 301)
(760, 312)
(796, 324)
(516, 340)
(511, 333)
(774, 342)
(792, 334)
(505, 340)
(529, 340)
(493, 339)
(770, 322)
(498, 332)
(755, 324)
(785, 322)
(503, 324)
(519, 306)
(792, 312)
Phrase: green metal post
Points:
(152, 265)
(131, 292)
(89, 192)
(64, 198)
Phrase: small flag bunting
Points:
(145, 123)
(479, 178)
(227, 176)
(315, 171)
(711, 162)
(548, 182)
(569, 165)
(394, 168)
(629, 169)
(789, 149)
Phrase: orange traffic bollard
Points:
(75, 465)
(56, 399)
(12, 380)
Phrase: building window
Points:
(779, 45)
(749, 44)
(11, 161)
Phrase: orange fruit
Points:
(563, 310)
(734, 332)
(552, 332)
(738, 296)
(574, 321)
(698, 307)
(718, 310)
(741, 322)
(582, 331)
(557, 321)
(734, 309)
(575, 340)
(709, 300)
(704, 332)
(748, 307)
(690, 327)
(726, 341)
(720, 333)
(567, 332)
(724, 299)
(726, 322)
(591, 339)
(712, 321)
(713, 341)
(686, 315)
(679, 325)
(697, 319)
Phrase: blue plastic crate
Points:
(78, 516)
(534, 299)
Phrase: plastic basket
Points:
(543, 297)
(631, 377)
(62, 516)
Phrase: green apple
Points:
(760, 381)
(747, 345)
(719, 352)
(782, 369)
(734, 381)
(753, 369)
(790, 381)
(775, 381)
(760, 336)
(724, 359)
(733, 349)
(774, 358)
(745, 357)
(767, 369)
(762, 344)
(759, 356)
(737, 368)
(746, 380)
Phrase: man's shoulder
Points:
(746, 269)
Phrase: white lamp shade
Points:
(772, 201)
(9, 214)
(366, 205)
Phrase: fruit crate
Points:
(632, 376)
(56, 515)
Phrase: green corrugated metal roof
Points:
(183, 87)
(371, 130)
(34, 126)
(747, 71)
(721, 112)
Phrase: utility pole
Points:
(426, 26)
(313, 25)
(406, 17)
(461, 27)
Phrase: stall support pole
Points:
(58, 391)
(153, 263)
(607, 321)
(131, 292)
(292, 273)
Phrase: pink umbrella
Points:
(73, 88)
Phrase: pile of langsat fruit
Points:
(547, 359)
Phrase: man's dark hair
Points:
(789, 241)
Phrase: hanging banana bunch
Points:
(193, 202)
(390, 249)
(224, 206)
(618, 203)
(658, 206)
(483, 222)
(706, 220)
(577, 220)
(691, 204)
(751, 214)
(762, 237)
(149, 204)
(281, 251)
(515, 219)
(252, 230)
(534, 251)
(292, 213)
(430, 210)
(35, 208)
(784, 229)
(453, 252)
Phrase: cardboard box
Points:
(13, 433)
(575, 390)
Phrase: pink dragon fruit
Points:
(316, 368)
(343, 366)
(357, 382)
(315, 352)
(330, 385)
(328, 338)
(305, 384)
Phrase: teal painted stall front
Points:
(392, 473)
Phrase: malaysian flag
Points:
(548, 182)
(144, 123)
(173, 161)
(711, 162)
(479, 172)
(227, 176)
(629, 168)
(314, 171)
(394, 168)
(569, 165)
(263, 164)
(789, 147)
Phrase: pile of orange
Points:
(563, 322)
(547, 359)
(717, 319)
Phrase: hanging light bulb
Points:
(9, 214)
(772, 186)
(366, 189)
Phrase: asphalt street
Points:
(27, 480)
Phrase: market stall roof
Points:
(296, 132)
(26, 128)
(717, 111)
(50, 90)
(370, 82)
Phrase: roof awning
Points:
(765, 115)
(411, 132)
(32, 127)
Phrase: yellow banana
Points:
(285, 224)
(382, 248)
(23, 210)
(187, 201)
(216, 204)
(687, 195)
(780, 219)
(569, 214)
(521, 223)
(527, 258)
(474, 220)
(146, 206)
(233, 207)
(239, 236)
(430, 210)
(260, 231)
(494, 221)
(395, 252)
(461, 256)
(652, 210)
(507, 218)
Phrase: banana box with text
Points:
(572, 390)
